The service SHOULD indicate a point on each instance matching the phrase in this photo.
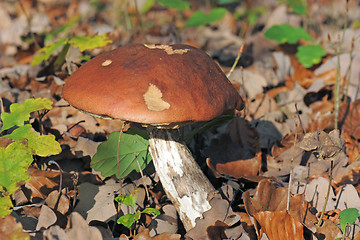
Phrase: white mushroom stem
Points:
(181, 177)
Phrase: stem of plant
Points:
(236, 61)
(291, 175)
(327, 194)
(60, 184)
(117, 153)
(142, 175)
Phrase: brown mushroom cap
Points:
(152, 84)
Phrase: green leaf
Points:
(14, 162)
(176, 4)
(151, 211)
(200, 18)
(348, 216)
(129, 199)
(297, 6)
(90, 42)
(286, 33)
(227, 1)
(133, 147)
(63, 28)
(20, 112)
(5, 205)
(41, 145)
(45, 52)
(147, 6)
(310, 54)
(129, 219)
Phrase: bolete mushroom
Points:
(163, 87)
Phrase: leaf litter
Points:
(249, 159)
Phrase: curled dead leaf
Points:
(280, 225)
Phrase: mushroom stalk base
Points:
(181, 177)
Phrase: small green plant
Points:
(23, 143)
(296, 6)
(308, 55)
(347, 217)
(132, 153)
(81, 42)
(250, 15)
(130, 200)
(199, 18)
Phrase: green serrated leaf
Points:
(20, 112)
(45, 52)
(129, 199)
(175, 4)
(348, 216)
(5, 203)
(14, 162)
(286, 33)
(41, 145)
(200, 18)
(90, 42)
(151, 211)
(133, 147)
(310, 54)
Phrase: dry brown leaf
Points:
(237, 169)
(268, 197)
(46, 219)
(226, 157)
(244, 135)
(328, 231)
(144, 235)
(280, 225)
(351, 148)
(350, 116)
(322, 115)
(77, 229)
(263, 103)
(220, 211)
(58, 202)
(10, 229)
(301, 75)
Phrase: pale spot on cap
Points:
(106, 63)
(167, 48)
(153, 99)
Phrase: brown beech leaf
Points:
(77, 229)
(244, 135)
(280, 225)
(303, 76)
(10, 229)
(144, 235)
(226, 157)
(220, 212)
(328, 230)
(237, 169)
(350, 117)
(268, 197)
